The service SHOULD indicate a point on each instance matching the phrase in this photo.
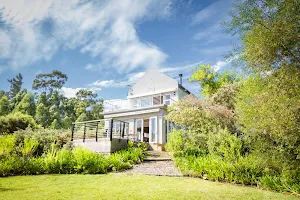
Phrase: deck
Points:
(102, 136)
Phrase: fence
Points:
(103, 128)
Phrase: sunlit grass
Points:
(121, 186)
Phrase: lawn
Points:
(121, 186)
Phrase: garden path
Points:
(156, 163)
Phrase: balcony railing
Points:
(142, 102)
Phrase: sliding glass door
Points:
(153, 129)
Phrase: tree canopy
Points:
(15, 85)
(210, 80)
(50, 81)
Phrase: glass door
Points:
(153, 129)
(139, 129)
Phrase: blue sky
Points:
(104, 46)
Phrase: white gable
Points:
(153, 81)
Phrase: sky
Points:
(106, 46)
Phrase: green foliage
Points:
(28, 147)
(87, 162)
(17, 98)
(3, 93)
(268, 31)
(16, 121)
(225, 145)
(210, 80)
(7, 145)
(275, 96)
(15, 85)
(268, 111)
(199, 120)
(55, 124)
(82, 117)
(49, 82)
(20, 154)
(225, 96)
(4, 106)
(66, 122)
(45, 138)
(26, 105)
(175, 140)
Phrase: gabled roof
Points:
(152, 82)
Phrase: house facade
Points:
(145, 108)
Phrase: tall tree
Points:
(49, 82)
(68, 107)
(27, 105)
(268, 102)
(18, 98)
(15, 85)
(210, 80)
(42, 115)
(4, 106)
(3, 93)
(86, 95)
(88, 106)
(269, 30)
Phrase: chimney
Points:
(180, 79)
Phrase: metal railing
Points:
(103, 128)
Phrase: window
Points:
(153, 129)
(138, 129)
(167, 100)
(157, 100)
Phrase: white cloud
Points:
(219, 65)
(209, 22)
(69, 92)
(128, 80)
(205, 13)
(103, 29)
(214, 11)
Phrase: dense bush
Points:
(213, 146)
(45, 138)
(226, 145)
(22, 157)
(247, 170)
(199, 119)
(175, 140)
(16, 121)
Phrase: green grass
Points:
(121, 186)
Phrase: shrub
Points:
(18, 156)
(45, 137)
(225, 144)
(287, 181)
(28, 148)
(16, 121)
(88, 162)
(7, 145)
(175, 140)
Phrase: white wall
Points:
(181, 93)
(160, 126)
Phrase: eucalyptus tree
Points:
(15, 85)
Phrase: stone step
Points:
(157, 159)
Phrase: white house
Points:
(146, 106)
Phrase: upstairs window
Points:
(167, 100)
(157, 100)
